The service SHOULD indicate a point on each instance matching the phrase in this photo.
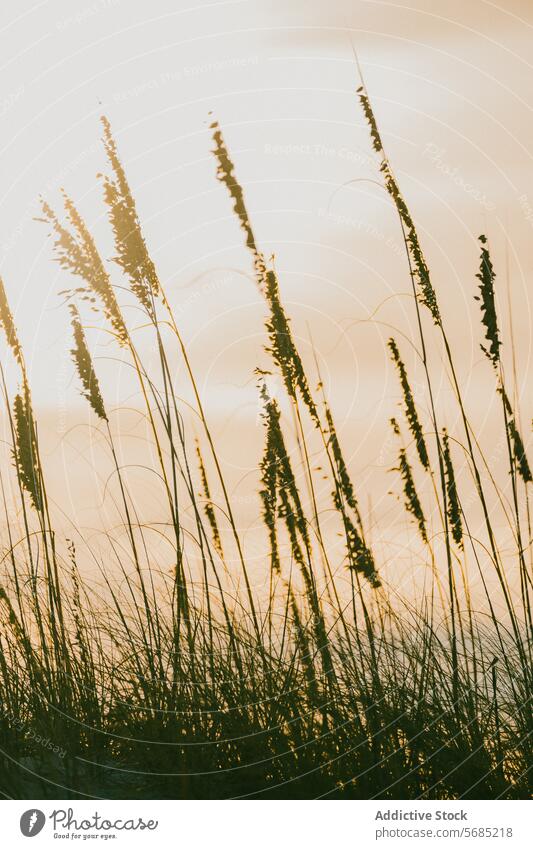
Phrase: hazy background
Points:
(451, 85)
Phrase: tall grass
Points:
(178, 683)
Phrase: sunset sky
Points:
(451, 86)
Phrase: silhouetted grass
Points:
(178, 685)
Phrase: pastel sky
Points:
(451, 85)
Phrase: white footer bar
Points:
(267, 824)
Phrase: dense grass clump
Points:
(184, 683)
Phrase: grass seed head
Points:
(84, 366)
(25, 449)
(487, 276)
(426, 293)
(76, 252)
(453, 506)
(410, 407)
(6, 320)
(132, 253)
